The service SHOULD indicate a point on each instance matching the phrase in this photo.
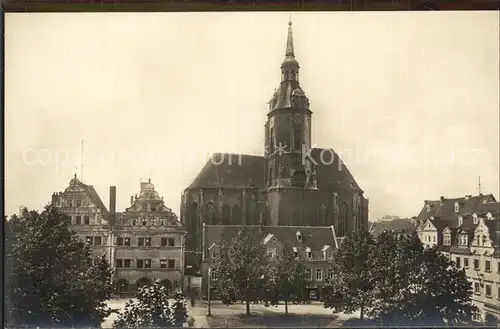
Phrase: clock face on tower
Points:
(297, 118)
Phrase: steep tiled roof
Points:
(237, 170)
(446, 207)
(314, 237)
(489, 207)
(494, 227)
(95, 198)
(334, 175)
(231, 171)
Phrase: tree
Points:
(240, 267)
(352, 285)
(50, 278)
(152, 309)
(286, 278)
(417, 285)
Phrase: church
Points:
(292, 184)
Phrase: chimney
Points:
(442, 198)
(149, 180)
(55, 199)
(112, 203)
(468, 196)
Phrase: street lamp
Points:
(209, 288)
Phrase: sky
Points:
(408, 99)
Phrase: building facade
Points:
(313, 246)
(293, 184)
(143, 243)
(467, 230)
(90, 219)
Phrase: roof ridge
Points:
(288, 226)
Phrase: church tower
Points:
(288, 136)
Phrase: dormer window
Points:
(295, 252)
(475, 219)
(447, 239)
(214, 254)
(457, 207)
(460, 220)
(463, 240)
(330, 255)
(299, 236)
(489, 216)
(428, 207)
(308, 253)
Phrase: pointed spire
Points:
(289, 41)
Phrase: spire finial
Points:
(289, 41)
(290, 19)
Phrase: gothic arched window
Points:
(226, 215)
(343, 220)
(271, 141)
(322, 215)
(236, 215)
(210, 219)
(192, 226)
(297, 138)
(359, 219)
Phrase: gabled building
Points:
(292, 184)
(149, 243)
(313, 246)
(143, 243)
(90, 218)
(467, 230)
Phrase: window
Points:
(296, 253)
(308, 253)
(498, 267)
(475, 220)
(86, 220)
(476, 264)
(119, 241)
(119, 263)
(477, 288)
(308, 274)
(214, 254)
(457, 207)
(147, 242)
(299, 237)
(163, 242)
(171, 263)
(487, 266)
(78, 203)
(433, 239)
(213, 275)
(126, 242)
(457, 261)
(447, 239)
(271, 253)
(147, 263)
(163, 263)
(466, 262)
(70, 204)
(330, 274)
(488, 290)
(330, 255)
(134, 222)
(89, 239)
(428, 208)
(171, 242)
(140, 241)
(97, 241)
(140, 263)
(144, 222)
(78, 220)
(319, 274)
(126, 263)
